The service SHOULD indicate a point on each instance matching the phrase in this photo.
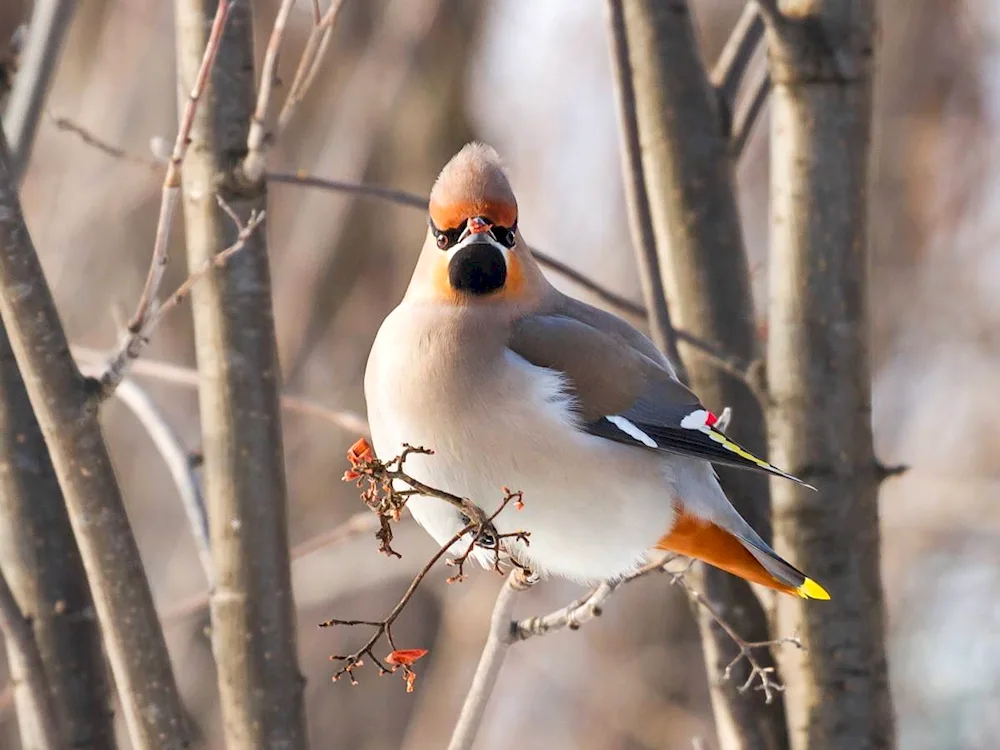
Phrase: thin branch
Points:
(384, 496)
(504, 632)
(178, 462)
(136, 339)
(133, 341)
(188, 377)
(96, 142)
(765, 675)
(381, 493)
(399, 197)
(310, 62)
(749, 100)
(364, 522)
(480, 533)
(502, 635)
(360, 523)
(383, 628)
(47, 29)
(27, 667)
(731, 67)
(260, 136)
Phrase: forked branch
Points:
(381, 493)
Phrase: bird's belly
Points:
(593, 508)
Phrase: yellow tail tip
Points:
(812, 590)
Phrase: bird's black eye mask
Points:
(448, 237)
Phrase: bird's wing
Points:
(623, 393)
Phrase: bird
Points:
(512, 383)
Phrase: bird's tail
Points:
(743, 554)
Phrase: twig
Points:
(384, 627)
(734, 60)
(504, 632)
(188, 377)
(749, 102)
(358, 524)
(260, 137)
(387, 501)
(302, 179)
(26, 666)
(132, 342)
(310, 62)
(94, 141)
(49, 23)
(765, 675)
(178, 462)
(113, 373)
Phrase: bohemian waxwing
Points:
(512, 383)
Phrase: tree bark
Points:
(818, 371)
(37, 721)
(41, 562)
(253, 620)
(687, 173)
(65, 404)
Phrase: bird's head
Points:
(473, 253)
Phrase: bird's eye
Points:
(503, 235)
(442, 240)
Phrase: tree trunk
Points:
(253, 618)
(688, 176)
(66, 405)
(818, 372)
(40, 559)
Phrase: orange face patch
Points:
(499, 213)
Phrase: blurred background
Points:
(406, 83)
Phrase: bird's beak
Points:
(475, 225)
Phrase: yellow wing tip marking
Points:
(812, 590)
(739, 450)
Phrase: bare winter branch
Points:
(260, 136)
(387, 500)
(505, 631)
(188, 377)
(311, 60)
(178, 462)
(115, 370)
(49, 23)
(27, 666)
(138, 327)
(731, 67)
